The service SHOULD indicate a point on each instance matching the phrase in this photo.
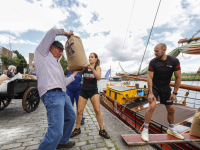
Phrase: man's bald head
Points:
(160, 50)
(162, 46)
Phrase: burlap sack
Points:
(3, 79)
(75, 54)
(25, 76)
(195, 127)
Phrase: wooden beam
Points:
(135, 139)
(187, 40)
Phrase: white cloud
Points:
(173, 20)
(20, 16)
(4, 38)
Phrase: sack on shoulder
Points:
(76, 56)
(195, 127)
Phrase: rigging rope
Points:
(149, 38)
(126, 34)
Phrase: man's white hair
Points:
(5, 71)
(10, 67)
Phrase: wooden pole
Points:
(187, 40)
(110, 75)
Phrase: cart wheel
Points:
(4, 103)
(31, 99)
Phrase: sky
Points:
(117, 30)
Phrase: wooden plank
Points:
(135, 139)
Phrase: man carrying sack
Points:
(52, 86)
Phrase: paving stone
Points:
(74, 148)
(109, 143)
(89, 123)
(90, 146)
(86, 138)
(36, 135)
(11, 146)
(31, 143)
(72, 139)
(101, 149)
(80, 143)
(94, 133)
(19, 148)
(33, 147)
(24, 140)
(101, 144)
(96, 141)
(86, 131)
(113, 148)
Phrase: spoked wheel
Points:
(31, 100)
(4, 103)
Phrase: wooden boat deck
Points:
(181, 113)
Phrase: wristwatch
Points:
(175, 93)
(92, 69)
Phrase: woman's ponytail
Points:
(98, 62)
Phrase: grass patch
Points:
(87, 133)
(117, 148)
(87, 142)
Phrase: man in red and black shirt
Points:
(160, 72)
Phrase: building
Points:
(31, 58)
(8, 53)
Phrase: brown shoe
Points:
(68, 145)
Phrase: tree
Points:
(63, 62)
(22, 64)
(9, 61)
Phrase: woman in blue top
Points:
(11, 70)
(73, 89)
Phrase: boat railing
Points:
(192, 102)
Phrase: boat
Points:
(129, 104)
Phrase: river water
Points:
(190, 101)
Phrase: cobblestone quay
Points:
(20, 130)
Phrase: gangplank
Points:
(135, 139)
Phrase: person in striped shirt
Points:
(52, 86)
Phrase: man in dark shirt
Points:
(160, 72)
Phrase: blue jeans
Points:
(74, 95)
(60, 117)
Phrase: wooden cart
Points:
(25, 89)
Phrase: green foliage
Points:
(63, 63)
(9, 61)
(188, 77)
(22, 64)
